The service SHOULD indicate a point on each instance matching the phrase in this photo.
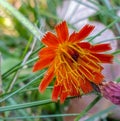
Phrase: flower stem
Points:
(88, 108)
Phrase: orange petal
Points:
(74, 91)
(50, 39)
(92, 76)
(86, 86)
(82, 34)
(56, 92)
(63, 96)
(98, 78)
(101, 47)
(85, 45)
(47, 79)
(47, 51)
(73, 37)
(42, 63)
(104, 58)
(92, 66)
(62, 31)
(86, 72)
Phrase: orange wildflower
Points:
(73, 63)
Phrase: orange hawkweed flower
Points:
(73, 63)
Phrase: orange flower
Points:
(73, 63)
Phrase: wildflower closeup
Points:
(111, 91)
(73, 62)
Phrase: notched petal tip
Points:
(62, 31)
(62, 24)
(82, 34)
(50, 39)
(104, 58)
(89, 26)
(101, 47)
(86, 30)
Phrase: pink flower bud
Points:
(111, 91)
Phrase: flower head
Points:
(73, 63)
(111, 91)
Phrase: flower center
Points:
(74, 64)
(68, 51)
(66, 65)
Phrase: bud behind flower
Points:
(111, 91)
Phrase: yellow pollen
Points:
(67, 65)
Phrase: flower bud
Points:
(111, 91)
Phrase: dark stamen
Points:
(95, 87)
(75, 56)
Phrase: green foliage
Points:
(19, 44)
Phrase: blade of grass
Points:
(118, 80)
(34, 89)
(111, 39)
(31, 76)
(10, 86)
(116, 52)
(110, 25)
(14, 69)
(99, 114)
(8, 72)
(88, 108)
(27, 47)
(25, 105)
(42, 116)
(103, 10)
(19, 65)
(20, 112)
(15, 92)
(109, 6)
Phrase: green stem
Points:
(40, 116)
(98, 34)
(88, 108)
(25, 105)
(15, 92)
(101, 113)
